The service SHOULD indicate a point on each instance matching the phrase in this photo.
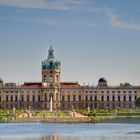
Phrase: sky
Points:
(91, 38)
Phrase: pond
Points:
(48, 131)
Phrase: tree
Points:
(126, 84)
(137, 102)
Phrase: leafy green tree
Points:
(126, 84)
(138, 102)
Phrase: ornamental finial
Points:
(51, 51)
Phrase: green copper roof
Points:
(51, 62)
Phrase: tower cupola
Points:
(51, 62)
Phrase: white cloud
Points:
(44, 4)
(75, 5)
(51, 22)
(40, 4)
(116, 22)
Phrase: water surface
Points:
(47, 131)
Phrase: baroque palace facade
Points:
(65, 95)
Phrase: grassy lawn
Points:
(49, 114)
(8, 115)
(93, 115)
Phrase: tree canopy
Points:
(138, 102)
(126, 84)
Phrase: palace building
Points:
(53, 94)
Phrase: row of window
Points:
(118, 98)
(22, 99)
(22, 92)
(71, 91)
(113, 98)
(111, 91)
(69, 98)
(11, 91)
(74, 91)
(28, 98)
(72, 98)
(96, 106)
(30, 91)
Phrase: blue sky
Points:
(92, 38)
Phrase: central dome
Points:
(51, 62)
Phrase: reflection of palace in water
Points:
(51, 93)
(51, 138)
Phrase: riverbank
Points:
(82, 116)
(97, 119)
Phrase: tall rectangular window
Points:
(95, 98)
(124, 98)
(11, 98)
(119, 98)
(102, 98)
(16, 98)
(68, 98)
(108, 98)
(135, 97)
(74, 98)
(39, 98)
(45, 97)
(79, 97)
(113, 98)
(28, 98)
(22, 98)
(90, 98)
(130, 98)
(86, 98)
(7, 98)
(33, 98)
(63, 98)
